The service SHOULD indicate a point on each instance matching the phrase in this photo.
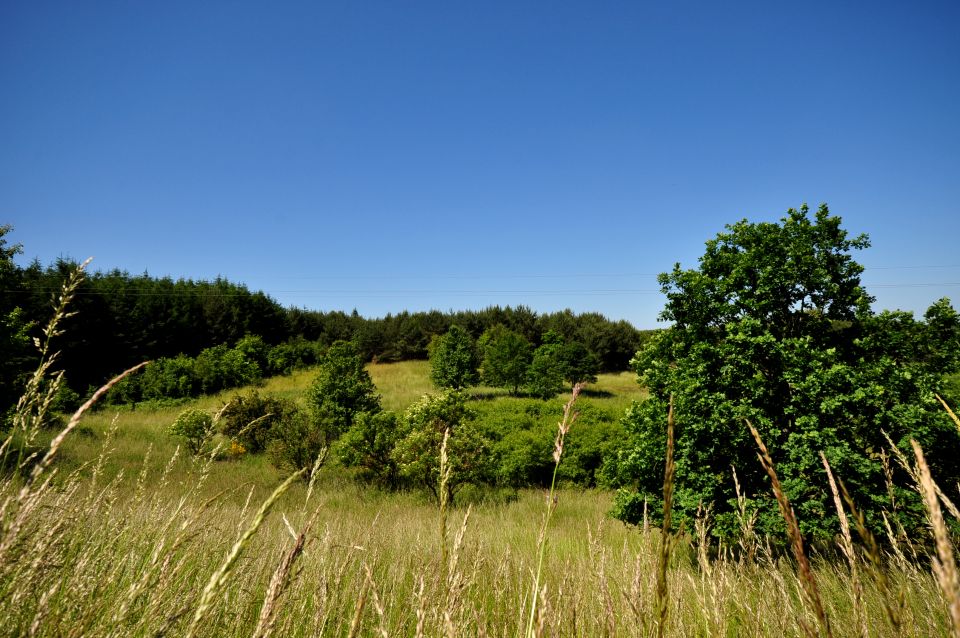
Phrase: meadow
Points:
(126, 535)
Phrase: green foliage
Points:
(14, 328)
(162, 379)
(454, 359)
(196, 426)
(341, 390)
(941, 337)
(506, 356)
(775, 327)
(522, 433)
(579, 364)
(220, 367)
(14, 355)
(558, 360)
(417, 453)
(213, 370)
(291, 355)
(253, 419)
(255, 350)
(546, 371)
(296, 443)
(368, 446)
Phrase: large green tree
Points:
(775, 327)
(454, 360)
(341, 391)
(506, 357)
(14, 327)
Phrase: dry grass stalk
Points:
(563, 427)
(746, 522)
(807, 580)
(421, 607)
(27, 498)
(377, 603)
(317, 464)
(662, 600)
(846, 546)
(358, 609)
(279, 582)
(444, 498)
(877, 572)
(219, 577)
(944, 566)
(946, 407)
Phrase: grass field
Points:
(132, 538)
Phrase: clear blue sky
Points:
(389, 156)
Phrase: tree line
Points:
(122, 319)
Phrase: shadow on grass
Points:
(596, 394)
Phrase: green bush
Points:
(221, 367)
(417, 454)
(194, 425)
(255, 350)
(523, 458)
(368, 446)
(252, 419)
(292, 355)
(296, 443)
(165, 379)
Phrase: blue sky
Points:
(386, 156)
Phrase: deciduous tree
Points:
(341, 390)
(454, 360)
(506, 358)
(775, 327)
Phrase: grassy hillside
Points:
(138, 437)
(132, 539)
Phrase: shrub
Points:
(296, 443)
(220, 367)
(166, 379)
(252, 419)
(286, 357)
(368, 446)
(194, 425)
(417, 454)
(255, 350)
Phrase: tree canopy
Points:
(454, 359)
(506, 356)
(775, 327)
(341, 390)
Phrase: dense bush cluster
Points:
(293, 435)
(504, 444)
(213, 370)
